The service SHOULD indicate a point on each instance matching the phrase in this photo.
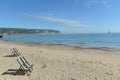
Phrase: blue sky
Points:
(68, 16)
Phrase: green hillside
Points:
(26, 31)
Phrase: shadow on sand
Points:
(13, 72)
(9, 56)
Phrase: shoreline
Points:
(70, 45)
(110, 41)
(61, 62)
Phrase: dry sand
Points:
(61, 62)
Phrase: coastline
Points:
(57, 44)
(61, 62)
(94, 40)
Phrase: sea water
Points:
(98, 39)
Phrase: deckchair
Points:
(26, 62)
(15, 52)
(23, 68)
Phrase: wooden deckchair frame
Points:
(23, 67)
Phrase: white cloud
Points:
(63, 21)
(90, 3)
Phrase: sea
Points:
(76, 39)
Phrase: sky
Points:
(68, 16)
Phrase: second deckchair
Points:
(15, 52)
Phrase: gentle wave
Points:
(103, 40)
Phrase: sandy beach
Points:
(61, 62)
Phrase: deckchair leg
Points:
(28, 73)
